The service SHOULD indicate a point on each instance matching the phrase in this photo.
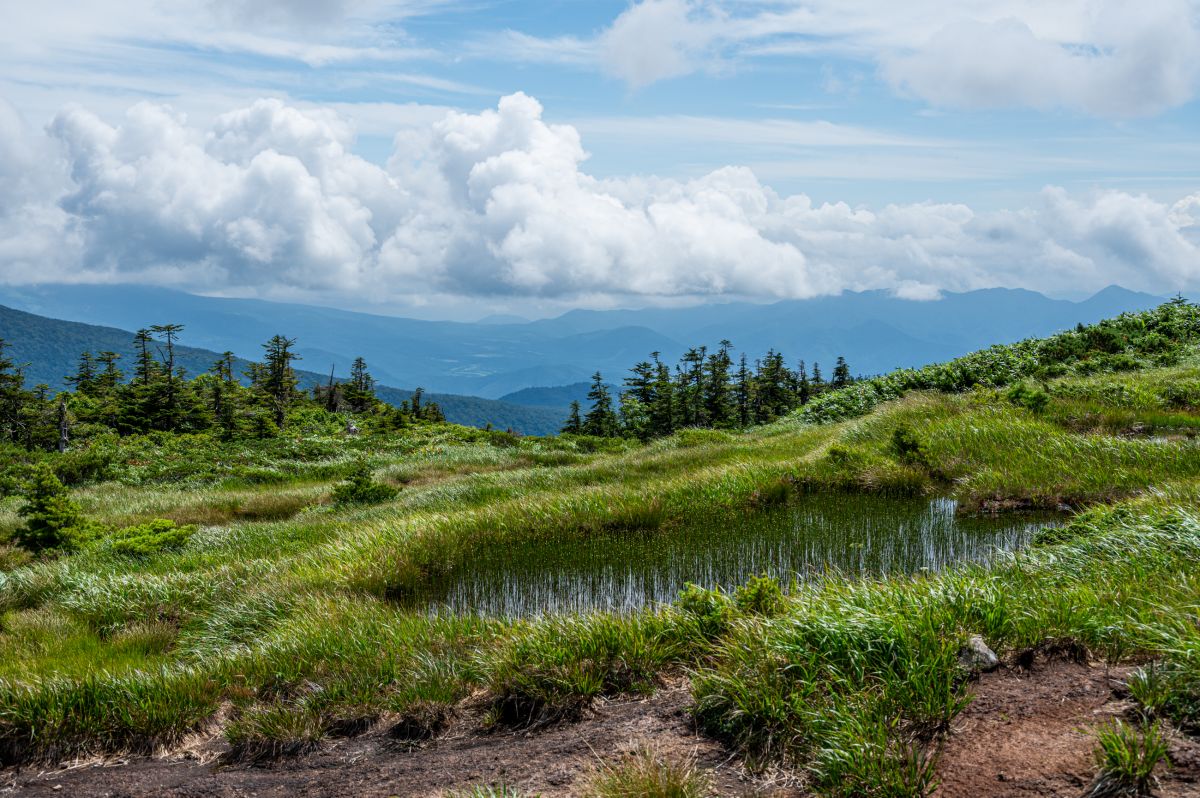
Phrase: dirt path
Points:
(553, 762)
(1027, 734)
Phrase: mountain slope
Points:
(873, 329)
(51, 349)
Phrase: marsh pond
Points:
(852, 534)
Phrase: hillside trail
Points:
(1026, 733)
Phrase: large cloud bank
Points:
(498, 204)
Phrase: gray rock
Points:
(975, 656)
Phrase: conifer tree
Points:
(841, 374)
(574, 424)
(640, 382)
(51, 517)
(775, 386)
(110, 376)
(145, 367)
(170, 395)
(601, 420)
(13, 397)
(662, 410)
(718, 403)
(742, 392)
(84, 378)
(278, 380)
(690, 389)
(359, 393)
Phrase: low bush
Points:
(761, 595)
(52, 520)
(360, 487)
(150, 538)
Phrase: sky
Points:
(459, 158)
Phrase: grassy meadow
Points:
(287, 618)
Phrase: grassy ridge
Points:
(284, 607)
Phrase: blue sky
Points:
(655, 152)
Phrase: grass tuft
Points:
(1126, 757)
(647, 773)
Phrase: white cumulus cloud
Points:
(499, 204)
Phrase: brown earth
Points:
(1025, 734)
(556, 761)
(1028, 733)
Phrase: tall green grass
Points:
(291, 621)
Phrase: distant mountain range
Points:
(555, 395)
(50, 348)
(502, 356)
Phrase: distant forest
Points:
(236, 399)
(704, 390)
(158, 396)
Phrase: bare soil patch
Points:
(1028, 733)
(552, 762)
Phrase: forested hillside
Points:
(49, 349)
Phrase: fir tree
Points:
(662, 411)
(817, 381)
(574, 424)
(145, 367)
(640, 382)
(690, 388)
(841, 374)
(52, 519)
(13, 397)
(110, 376)
(742, 392)
(278, 380)
(718, 403)
(775, 393)
(360, 391)
(84, 378)
(601, 420)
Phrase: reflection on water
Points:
(853, 534)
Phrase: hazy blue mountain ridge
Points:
(874, 330)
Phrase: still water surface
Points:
(852, 534)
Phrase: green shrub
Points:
(708, 609)
(150, 538)
(52, 519)
(361, 488)
(761, 595)
(1022, 395)
(908, 447)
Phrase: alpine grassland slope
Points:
(287, 619)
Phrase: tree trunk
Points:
(64, 426)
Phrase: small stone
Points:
(976, 656)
